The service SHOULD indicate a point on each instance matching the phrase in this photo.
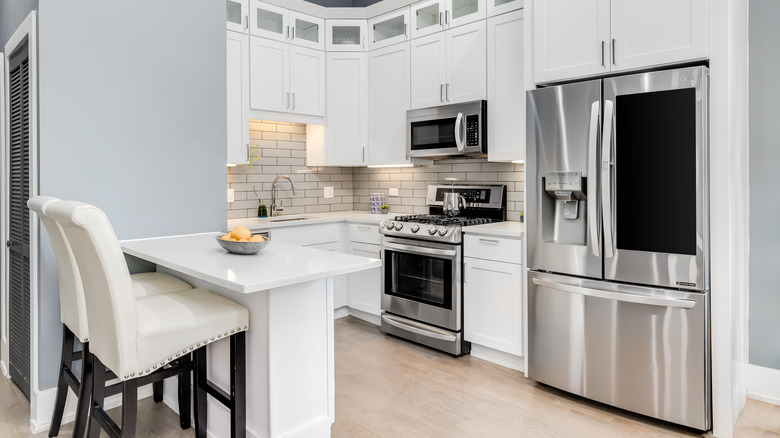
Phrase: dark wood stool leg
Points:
(185, 396)
(66, 362)
(201, 382)
(238, 385)
(85, 392)
(157, 391)
(129, 407)
(98, 396)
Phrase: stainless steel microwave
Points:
(447, 130)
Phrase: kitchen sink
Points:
(287, 219)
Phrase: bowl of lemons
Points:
(241, 241)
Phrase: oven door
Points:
(422, 281)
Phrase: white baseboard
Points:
(341, 312)
(4, 369)
(498, 357)
(764, 384)
(42, 406)
(365, 316)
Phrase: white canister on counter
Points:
(376, 201)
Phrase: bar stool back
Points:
(134, 336)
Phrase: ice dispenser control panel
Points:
(565, 187)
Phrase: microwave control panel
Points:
(472, 130)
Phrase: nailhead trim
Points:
(190, 348)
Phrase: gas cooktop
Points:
(440, 219)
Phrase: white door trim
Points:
(3, 215)
(27, 32)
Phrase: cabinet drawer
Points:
(493, 248)
(364, 233)
(307, 235)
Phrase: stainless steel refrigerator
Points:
(618, 242)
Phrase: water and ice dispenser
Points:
(565, 187)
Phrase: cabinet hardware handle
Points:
(245, 21)
(441, 18)
(603, 44)
(363, 39)
(405, 27)
(613, 51)
(447, 91)
(293, 101)
(248, 155)
(488, 240)
(364, 227)
(447, 17)
(287, 32)
(292, 29)
(287, 100)
(441, 92)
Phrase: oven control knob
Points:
(399, 225)
(432, 231)
(415, 228)
(389, 225)
(443, 231)
(382, 224)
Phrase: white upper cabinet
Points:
(237, 15)
(346, 35)
(388, 82)
(449, 67)
(505, 85)
(657, 32)
(436, 15)
(286, 78)
(497, 7)
(280, 24)
(388, 29)
(237, 98)
(578, 38)
(345, 133)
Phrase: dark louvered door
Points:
(19, 221)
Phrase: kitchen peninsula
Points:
(288, 290)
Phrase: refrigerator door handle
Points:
(592, 177)
(606, 178)
(617, 296)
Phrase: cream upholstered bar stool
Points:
(73, 315)
(134, 336)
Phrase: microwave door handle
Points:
(593, 169)
(458, 139)
(606, 178)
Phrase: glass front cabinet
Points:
(277, 23)
(346, 35)
(388, 29)
(237, 18)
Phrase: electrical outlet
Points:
(328, 192)
(394, 191)
(231, 195)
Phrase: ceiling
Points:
(344, 3)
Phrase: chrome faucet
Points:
(274, 209)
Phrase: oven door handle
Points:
(423, 331)
(420, 250)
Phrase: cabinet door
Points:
(428, 63)
(497, 7)
(427, 17)
(467, 63)
(307, 31)
(269, 21)
(345, 35)
(237, 17)
(388, 82)
(571, 39)
(269, 80)
(388, 29)
(493, 304)
(307, 81)
(237, 98)
(365, 287)
(346, 119)
(460, 12)
(654, 32)
(506, 91)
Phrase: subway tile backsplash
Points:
(281, 148)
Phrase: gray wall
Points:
(12, 12)
(764, 200)
(132, 119)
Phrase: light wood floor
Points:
(386, 387)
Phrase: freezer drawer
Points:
(641, 349)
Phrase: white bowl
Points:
(244, 248)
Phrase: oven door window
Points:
(433, 134)
(419, 278)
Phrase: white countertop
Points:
(279, 264)
(508, 229)
(256, 223)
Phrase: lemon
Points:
(257, 238)
(241, 232)
(227, 236)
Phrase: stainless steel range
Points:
(422, 255)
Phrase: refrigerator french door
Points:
(618, 242)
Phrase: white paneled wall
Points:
(282, 150)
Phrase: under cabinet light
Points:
(519, 161)
(390, 165)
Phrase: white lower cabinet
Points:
(493, 293)
(365, 291)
